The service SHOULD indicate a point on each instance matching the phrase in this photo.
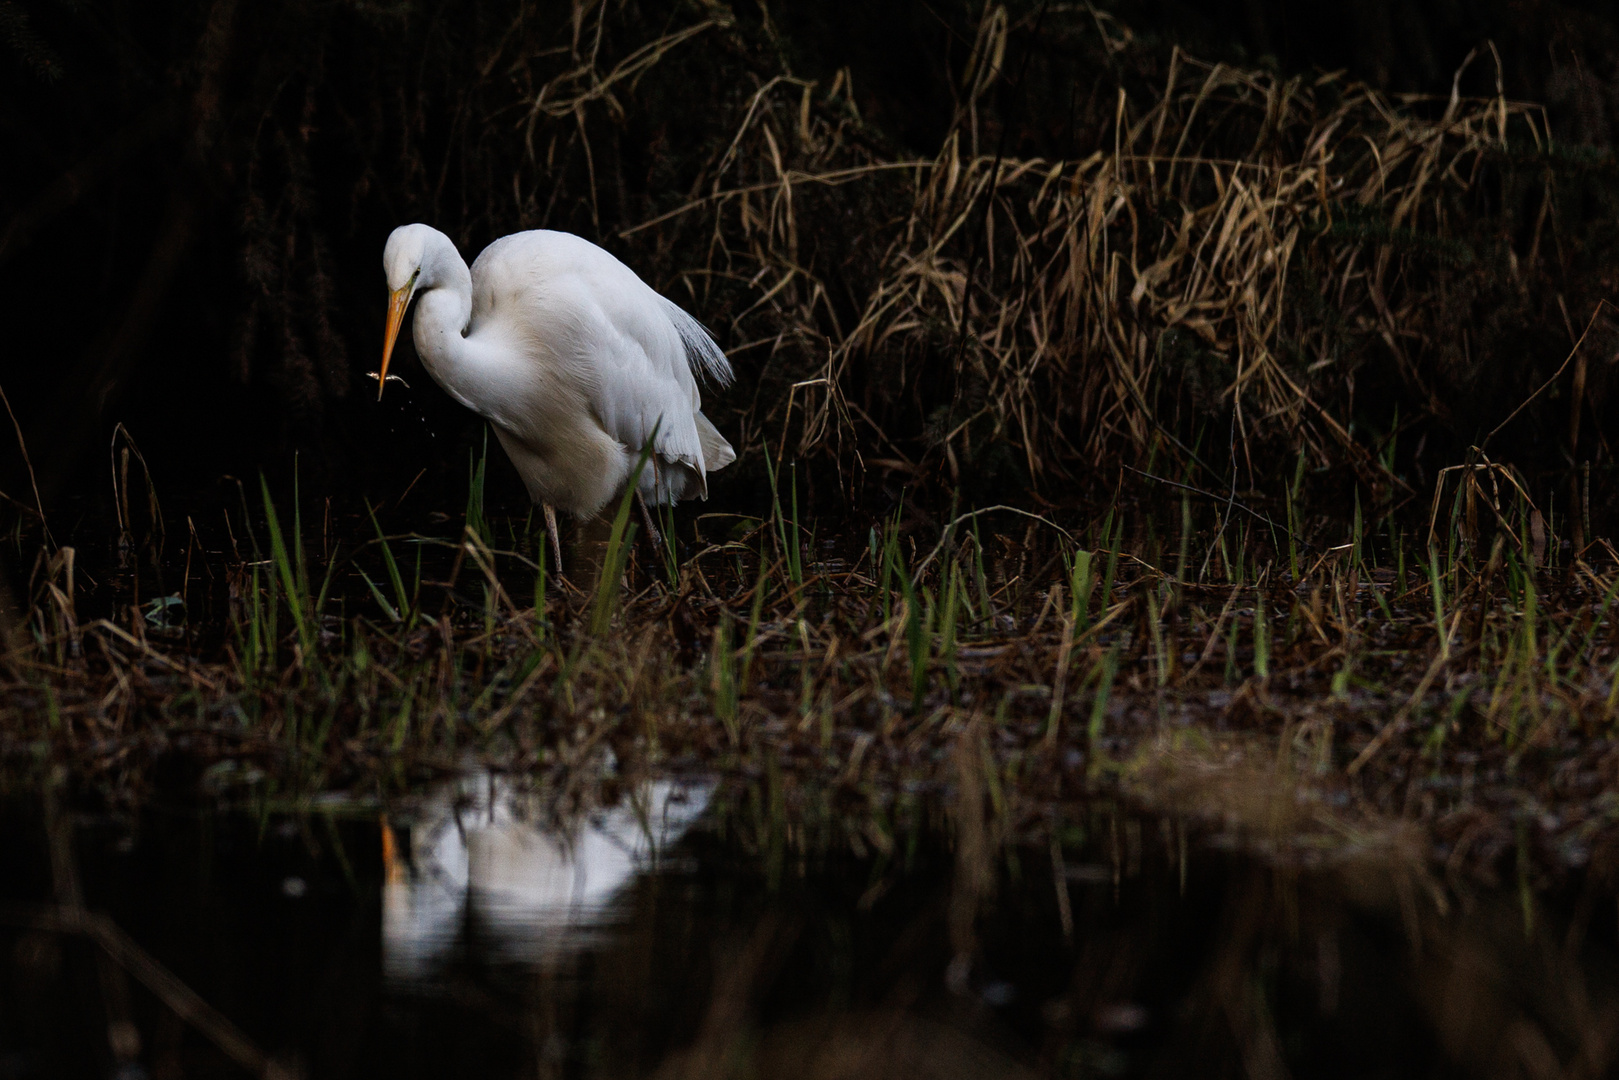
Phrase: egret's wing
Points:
(644, 382)
(631, 352)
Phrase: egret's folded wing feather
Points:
(630, 351)
(644, 384)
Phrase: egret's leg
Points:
(556, 540)
(652, 533)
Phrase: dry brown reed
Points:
(1185, 266)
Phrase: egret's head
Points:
(402, 263)
(402, 258)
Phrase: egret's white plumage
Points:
(573, 359)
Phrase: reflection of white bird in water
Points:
(575, 361)
(478, 848)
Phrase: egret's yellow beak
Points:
(398, 300)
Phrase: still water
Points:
(675, 927)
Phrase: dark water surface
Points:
(682, 930)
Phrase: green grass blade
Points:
(618, 541)
(382, 601)
(476, 520)
(401, 597)
(1104, 692)
(282, 561)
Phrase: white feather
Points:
(709, 358)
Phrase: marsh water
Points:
(682, 927)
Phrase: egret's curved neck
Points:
(443, 308)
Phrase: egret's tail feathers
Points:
(717, 453)
(702, 352)
(667, 480)
(672, 482)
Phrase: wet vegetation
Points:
(1311, 685)
(1144, 429)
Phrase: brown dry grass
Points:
(1080, 309)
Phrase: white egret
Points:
(574, 360)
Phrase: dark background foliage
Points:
(194, 194)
